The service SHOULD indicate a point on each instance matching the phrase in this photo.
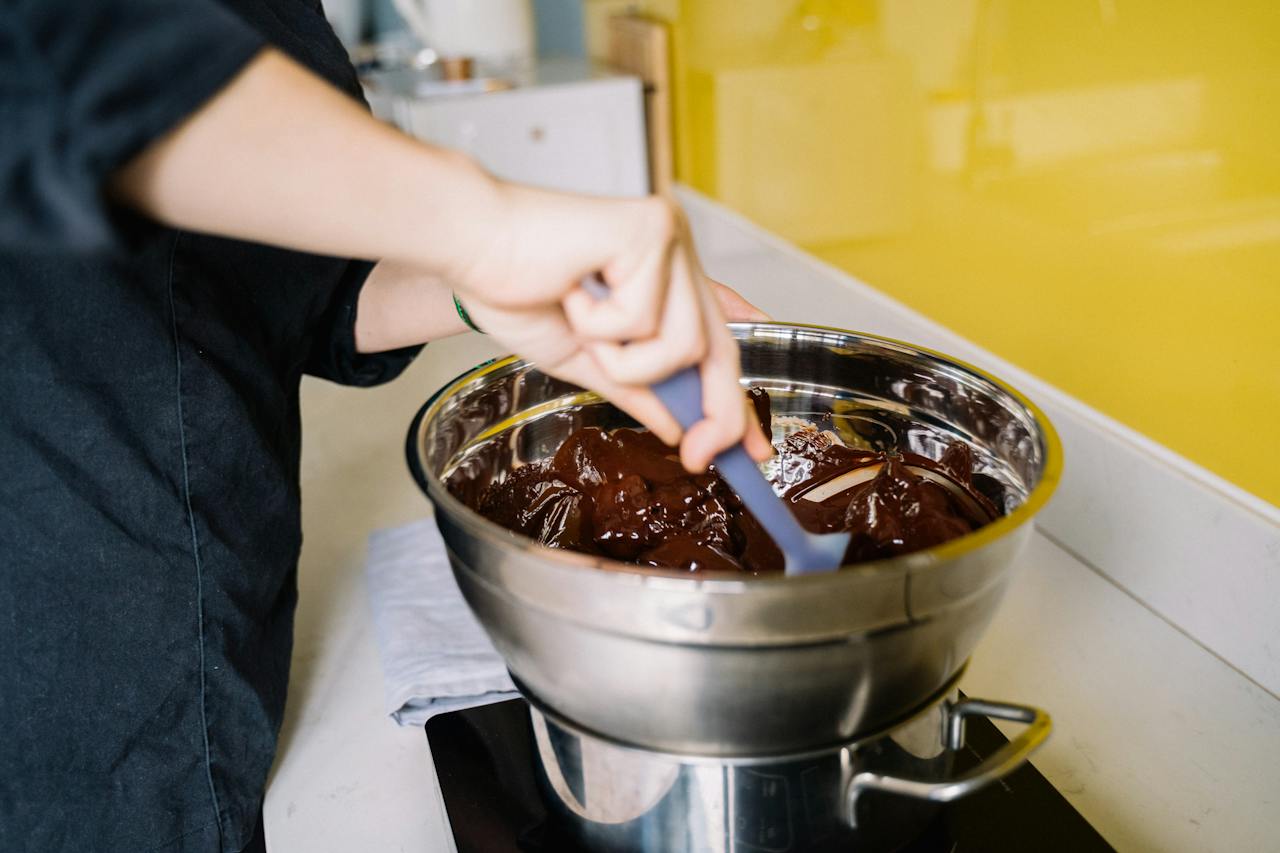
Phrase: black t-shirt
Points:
(149, 436)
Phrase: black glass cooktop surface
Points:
(484, 759)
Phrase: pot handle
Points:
(995, 766)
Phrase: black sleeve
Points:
(84, 86)
(333, 352)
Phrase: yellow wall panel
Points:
(851, 126)
(1089, 189)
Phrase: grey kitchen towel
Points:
(435, 656)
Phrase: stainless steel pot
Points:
(731, 666)
(616, 798)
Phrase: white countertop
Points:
(1159, 742)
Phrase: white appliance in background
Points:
(497, 35)
(346, 17)
(573, 128)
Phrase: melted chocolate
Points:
(906, 503)
(624, 494)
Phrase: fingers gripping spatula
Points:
(804, 552)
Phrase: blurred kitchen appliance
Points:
(571, 127)
(347, 19)
(497, 34)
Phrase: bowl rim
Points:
(507, 540)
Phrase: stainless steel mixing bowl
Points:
(733, 665)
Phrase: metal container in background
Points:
(728, 667)
(497, 34)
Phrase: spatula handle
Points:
(681, 393)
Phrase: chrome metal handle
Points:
(995, 766)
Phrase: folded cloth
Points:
(435, 656)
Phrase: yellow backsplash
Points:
(1089, 189)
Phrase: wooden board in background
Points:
(641, 46)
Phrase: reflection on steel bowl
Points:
(739, 666)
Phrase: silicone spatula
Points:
(804, 552)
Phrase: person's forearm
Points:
(281, 157)
(402, 306)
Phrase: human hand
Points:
(735, 308)
(662, 314)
